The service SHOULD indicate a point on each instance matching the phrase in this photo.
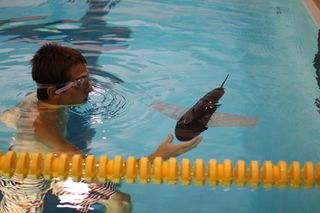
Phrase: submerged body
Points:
(32, 119)
(35, 122)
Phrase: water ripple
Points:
(105, 103)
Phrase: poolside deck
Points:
(314, 8)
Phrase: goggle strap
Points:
(66, 87)
(58, 91)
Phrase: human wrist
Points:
(157, 154)
(152, 156)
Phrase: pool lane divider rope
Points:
(90, 169)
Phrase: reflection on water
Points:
(23, 195)
(103, 104)
(91, 36)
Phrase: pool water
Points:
(176, 51)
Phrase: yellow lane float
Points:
(88, 168)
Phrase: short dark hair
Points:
(52, 63)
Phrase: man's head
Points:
(61, 75)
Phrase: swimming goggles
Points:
(80, 83)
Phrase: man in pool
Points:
(40, 120)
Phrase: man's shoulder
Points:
(31, 94)
(10, 116)
(30, 99)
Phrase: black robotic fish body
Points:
(195, 120)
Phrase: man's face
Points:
(77, 94)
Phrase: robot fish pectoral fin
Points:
(172, 111)
(226, 119)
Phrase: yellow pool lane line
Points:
(314, 8)
(103, 169)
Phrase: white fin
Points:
(172, 111)
(225, 119)
(217, 119)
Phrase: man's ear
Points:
(51, 92)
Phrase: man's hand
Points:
(167, 150)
